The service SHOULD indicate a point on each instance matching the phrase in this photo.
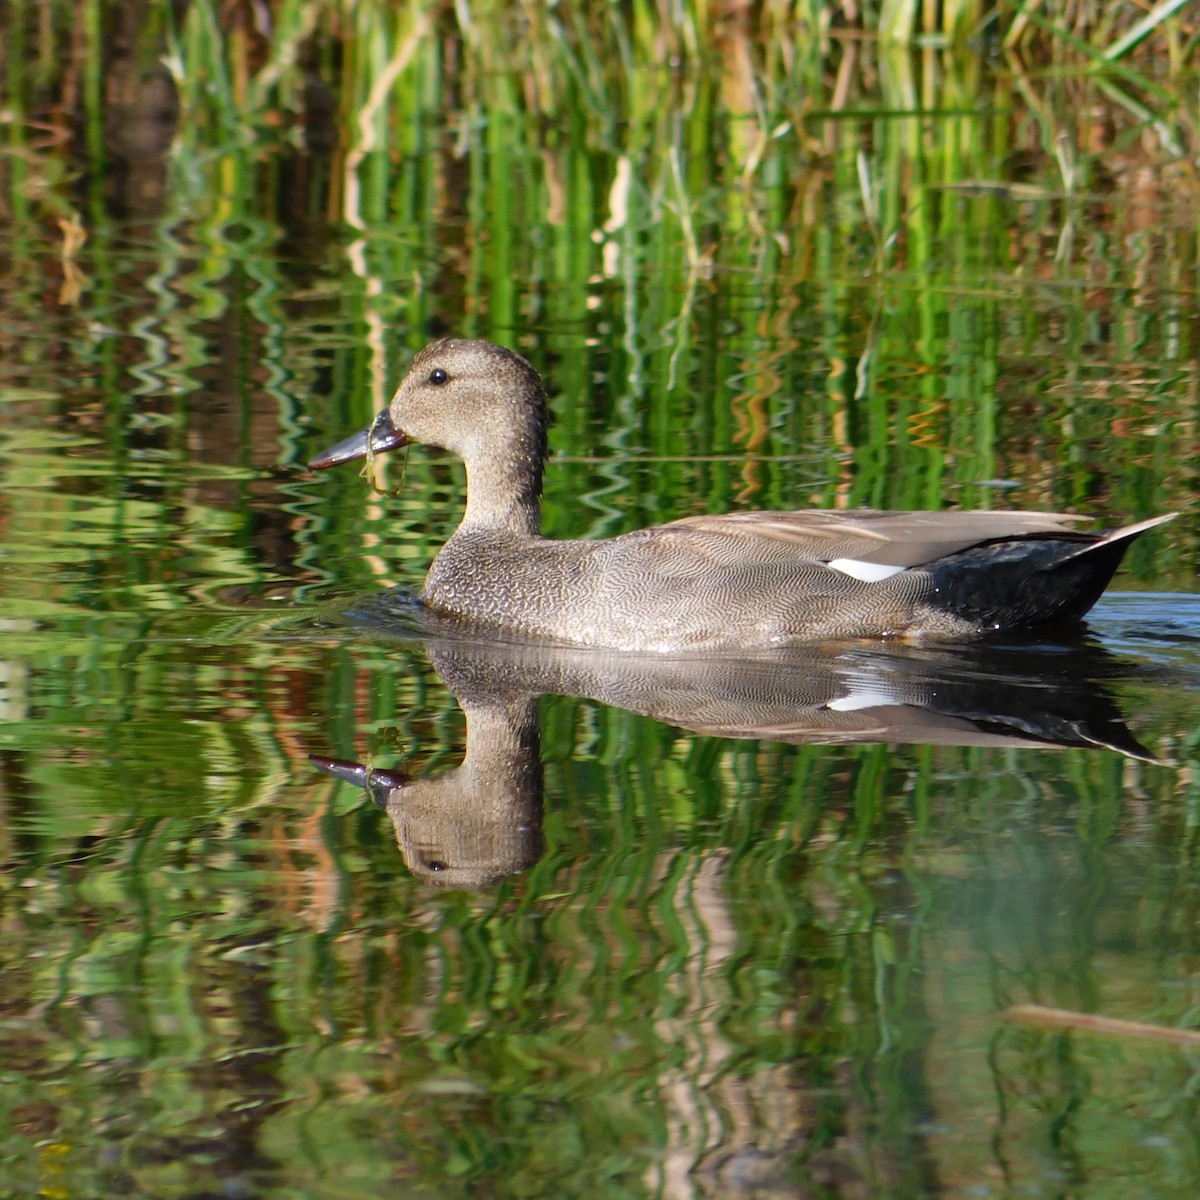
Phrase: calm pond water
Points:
(597, 926)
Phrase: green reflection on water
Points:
(736, 967)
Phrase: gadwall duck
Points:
(742, 580)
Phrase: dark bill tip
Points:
(340, 768)
(355, 446)
(379, 784)
(380, 437)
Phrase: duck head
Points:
(473, 398)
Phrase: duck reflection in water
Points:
(480, 822)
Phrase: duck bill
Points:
(379, 785)
(379, 437)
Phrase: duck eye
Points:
(437, 376)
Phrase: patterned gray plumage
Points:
(711, 582)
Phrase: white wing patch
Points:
(865, 698)
(866, 571)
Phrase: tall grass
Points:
(683, 170)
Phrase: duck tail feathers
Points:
(1122, 536)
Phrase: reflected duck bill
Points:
(379, 437)
(378, 784)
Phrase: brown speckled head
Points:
(483, 403)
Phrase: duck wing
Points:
(883, 539)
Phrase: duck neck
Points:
(504, 497)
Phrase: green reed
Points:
(663, 151)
